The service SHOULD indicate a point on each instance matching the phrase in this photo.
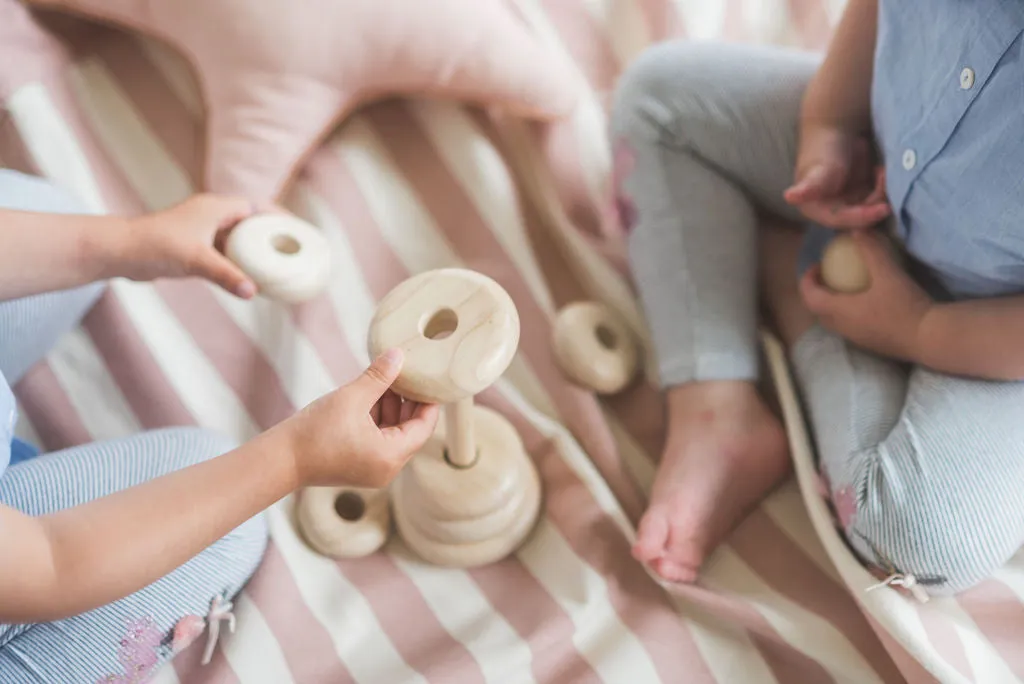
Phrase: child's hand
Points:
(886, 317)
(362, 434)
(186, 240)
(837, 184)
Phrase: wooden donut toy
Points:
(472, 495)
(344, 522)
(595, 348)
(287, 258)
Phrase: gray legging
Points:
(926, 470)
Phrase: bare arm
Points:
(56, 251)
(837, 181)
(839, 95)
(87, 556)
(52, 252)
(101, 551)
(981, 338)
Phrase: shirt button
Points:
(909, 159)
(967, 78)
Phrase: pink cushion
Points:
(277, 75)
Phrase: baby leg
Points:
(29, 327)
(90, 647)
(707, 137)
(926, 470)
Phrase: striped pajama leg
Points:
(927, 470)
(132, 637)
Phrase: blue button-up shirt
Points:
(948, 112)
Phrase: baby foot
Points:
(725, 452)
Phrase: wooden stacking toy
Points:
(472, 495)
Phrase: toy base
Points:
(344, 522)
(466, 517)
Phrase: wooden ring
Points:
(344, 522)
(595, 348)
(459, 331)
(287, 258)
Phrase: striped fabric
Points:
(400, 188)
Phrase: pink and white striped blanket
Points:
(406, 186)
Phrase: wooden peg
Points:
(842, 266)
(472, 495)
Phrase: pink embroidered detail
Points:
(187, 630)
(144, 645)
(845, 502)
(138, 652)
(822, 486)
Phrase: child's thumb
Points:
(378, 378)
(820, 182)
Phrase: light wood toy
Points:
(287, 258)
(595, 348)
(344, 522)
(472, 495)
(842, 267)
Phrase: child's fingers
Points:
(817, 297)
(390, 409)
(878, 192)
(376, 380)
(407, 410)
(820, 182)
(410, 435)
(861, 215)
(837, 215)
(222, 271)
(806, 189)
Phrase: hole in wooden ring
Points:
(606, 336)
(476, 457)
(441, 324)
(349, 506)
(285, 244)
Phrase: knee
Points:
(947, 549)
(666, 83)
(32, 193)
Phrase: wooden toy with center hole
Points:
(472, 495)
(594, 347)
(344, 522)
(287, 258)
